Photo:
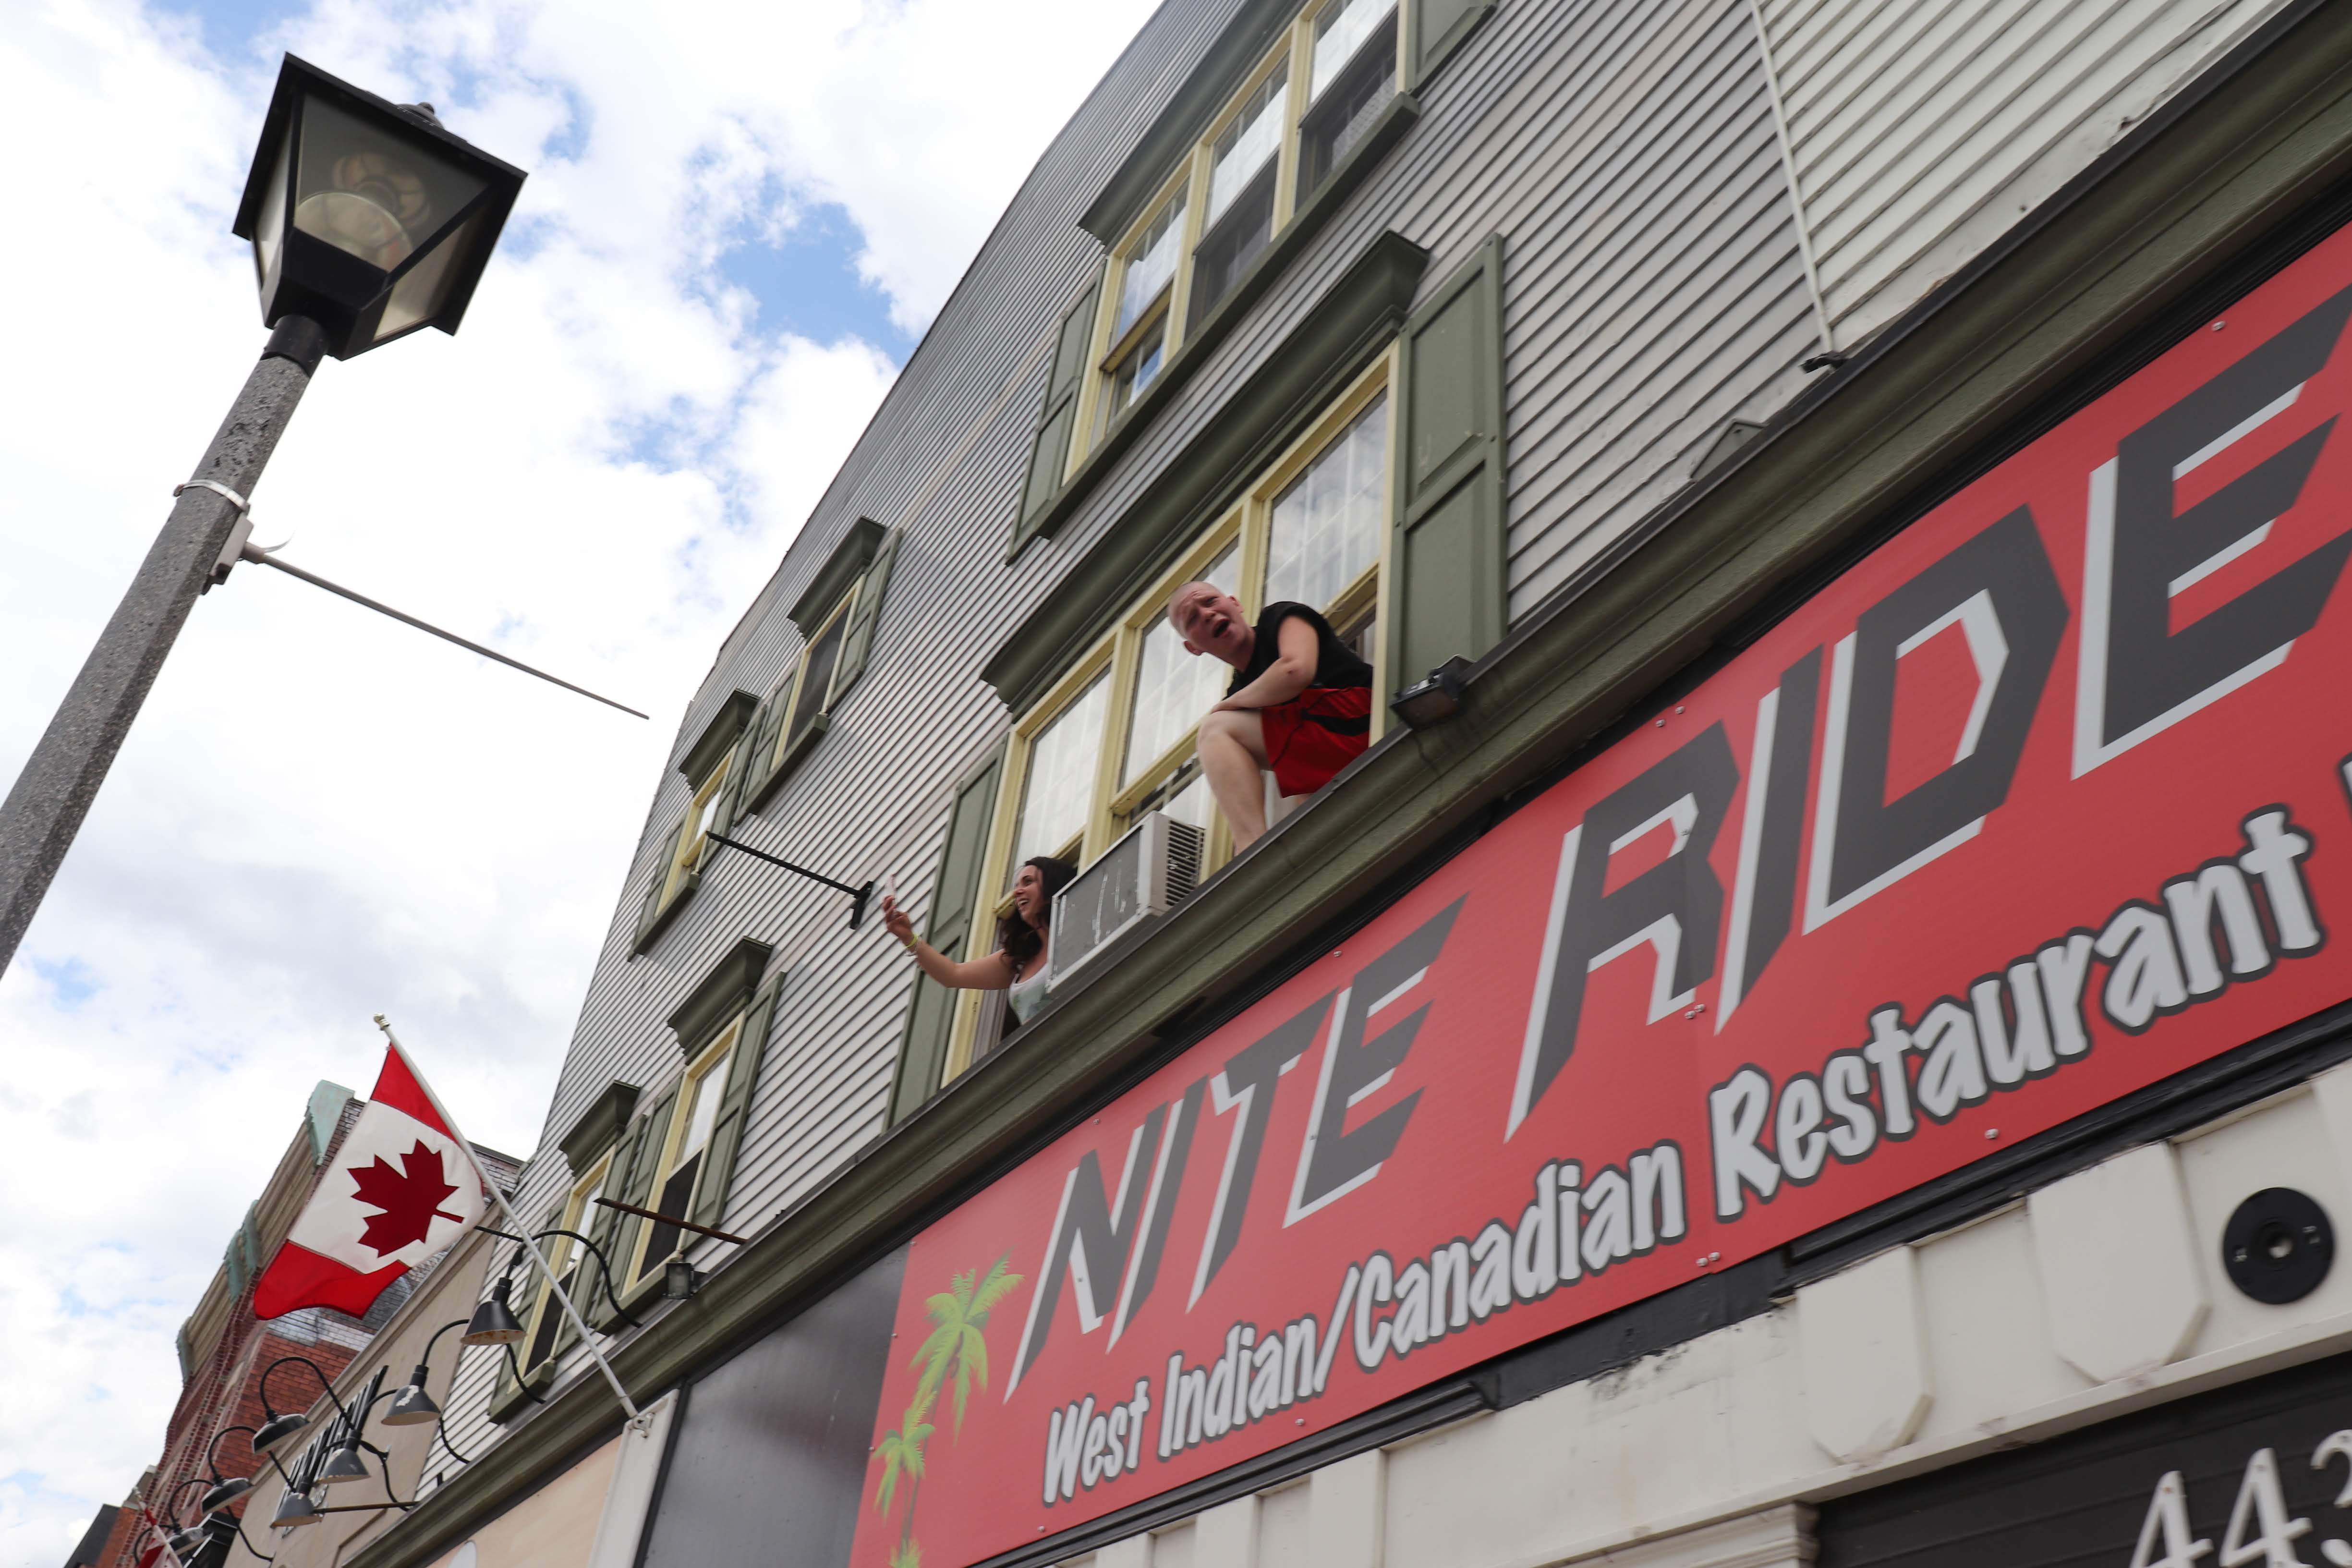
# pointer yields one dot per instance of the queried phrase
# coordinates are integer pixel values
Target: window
(811, 685)
(712, 770)
(1114, 738)
(564, 1259)
(1309, 102)
(692, 1118)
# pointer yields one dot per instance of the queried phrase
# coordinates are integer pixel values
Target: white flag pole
(579, 1324)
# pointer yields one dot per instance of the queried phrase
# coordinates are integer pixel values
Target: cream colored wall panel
(1920, 133)
(1135, 1552)
(1988, 1333)
(1284, 1527)
(1711, 1418)
(2283, 1144)
(1867, 1383)
(2119, 1272)
(1176, 1548)
(1227, 1535)
(1347, 1513)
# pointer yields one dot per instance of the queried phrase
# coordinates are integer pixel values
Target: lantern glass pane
(273, 213)
(364, 189)
(424, 288)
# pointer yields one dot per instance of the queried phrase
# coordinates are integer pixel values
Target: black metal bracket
(857, 896)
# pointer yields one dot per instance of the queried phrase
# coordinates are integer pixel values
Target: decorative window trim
(839, 573)
(723, 994)
(595, 1130)
(1354, 323)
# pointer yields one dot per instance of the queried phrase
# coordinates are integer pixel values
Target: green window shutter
(760, 747)
(639, 1152)
(735, 1108)
(1439, 27)
(1055, 421)
(930, 1017)
(858, 639)
(1446, 551)
(649, 916)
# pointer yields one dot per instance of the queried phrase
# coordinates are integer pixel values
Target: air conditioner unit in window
(1140, 878)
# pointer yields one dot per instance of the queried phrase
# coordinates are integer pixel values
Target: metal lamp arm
(603, 1271)
(325, 1383)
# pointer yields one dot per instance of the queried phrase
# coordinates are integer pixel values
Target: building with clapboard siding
(1749, 404)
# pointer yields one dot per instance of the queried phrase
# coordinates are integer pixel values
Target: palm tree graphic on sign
(955, 1355)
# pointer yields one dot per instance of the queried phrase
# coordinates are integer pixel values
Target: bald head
(1211, 621)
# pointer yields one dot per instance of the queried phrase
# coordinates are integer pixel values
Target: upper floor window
(713, 771)
(1281, 135)
(678, 1165)
(1115, 738)
(564, 1259)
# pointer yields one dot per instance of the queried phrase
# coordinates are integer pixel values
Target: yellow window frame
(1296, 50)
(575, 1217)
(1116, 655)
(688, 848)
(711, 1059)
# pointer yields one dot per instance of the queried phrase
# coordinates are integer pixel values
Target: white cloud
(321, 814)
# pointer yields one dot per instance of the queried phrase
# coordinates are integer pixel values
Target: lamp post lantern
(368, 221)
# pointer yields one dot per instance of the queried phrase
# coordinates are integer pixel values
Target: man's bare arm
(1291, 672)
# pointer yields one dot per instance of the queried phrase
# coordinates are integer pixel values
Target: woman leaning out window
(1018, 966)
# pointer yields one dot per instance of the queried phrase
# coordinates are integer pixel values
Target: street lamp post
(368, 222)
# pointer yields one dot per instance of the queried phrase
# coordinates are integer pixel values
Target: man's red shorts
(1315, 734)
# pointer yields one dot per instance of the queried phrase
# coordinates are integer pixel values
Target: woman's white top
(1025, 996)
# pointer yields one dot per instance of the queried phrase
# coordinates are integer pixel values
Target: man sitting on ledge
(1301, 702)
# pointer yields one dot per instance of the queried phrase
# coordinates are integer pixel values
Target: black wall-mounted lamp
(1436, 698)
(494, 1322)
(680, 1279)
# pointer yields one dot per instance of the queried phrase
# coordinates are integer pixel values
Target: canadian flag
(400, 1189)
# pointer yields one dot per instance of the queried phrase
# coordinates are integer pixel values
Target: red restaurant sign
(2044, 801)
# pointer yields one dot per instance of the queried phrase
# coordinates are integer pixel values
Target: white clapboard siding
(1920, 133)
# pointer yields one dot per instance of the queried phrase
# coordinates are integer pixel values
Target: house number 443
(2260, 1531)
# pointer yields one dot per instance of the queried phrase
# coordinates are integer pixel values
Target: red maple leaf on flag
(409, 1198)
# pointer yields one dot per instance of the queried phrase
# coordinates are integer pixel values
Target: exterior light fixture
(365, 215)
(185, 1543)
(278, 1431)
(493, 1323)
(1434, 699)
(680, 1279)
(296, 1509)
(343, 1465)
(226, 1493)
(412, 1406)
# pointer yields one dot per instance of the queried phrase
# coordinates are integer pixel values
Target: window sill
(1384, 134)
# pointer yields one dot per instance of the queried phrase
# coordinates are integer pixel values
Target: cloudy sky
(740, 217)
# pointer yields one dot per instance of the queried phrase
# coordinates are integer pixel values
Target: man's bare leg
(1233, 750)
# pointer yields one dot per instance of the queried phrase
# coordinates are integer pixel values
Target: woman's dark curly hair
(1022, 944)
